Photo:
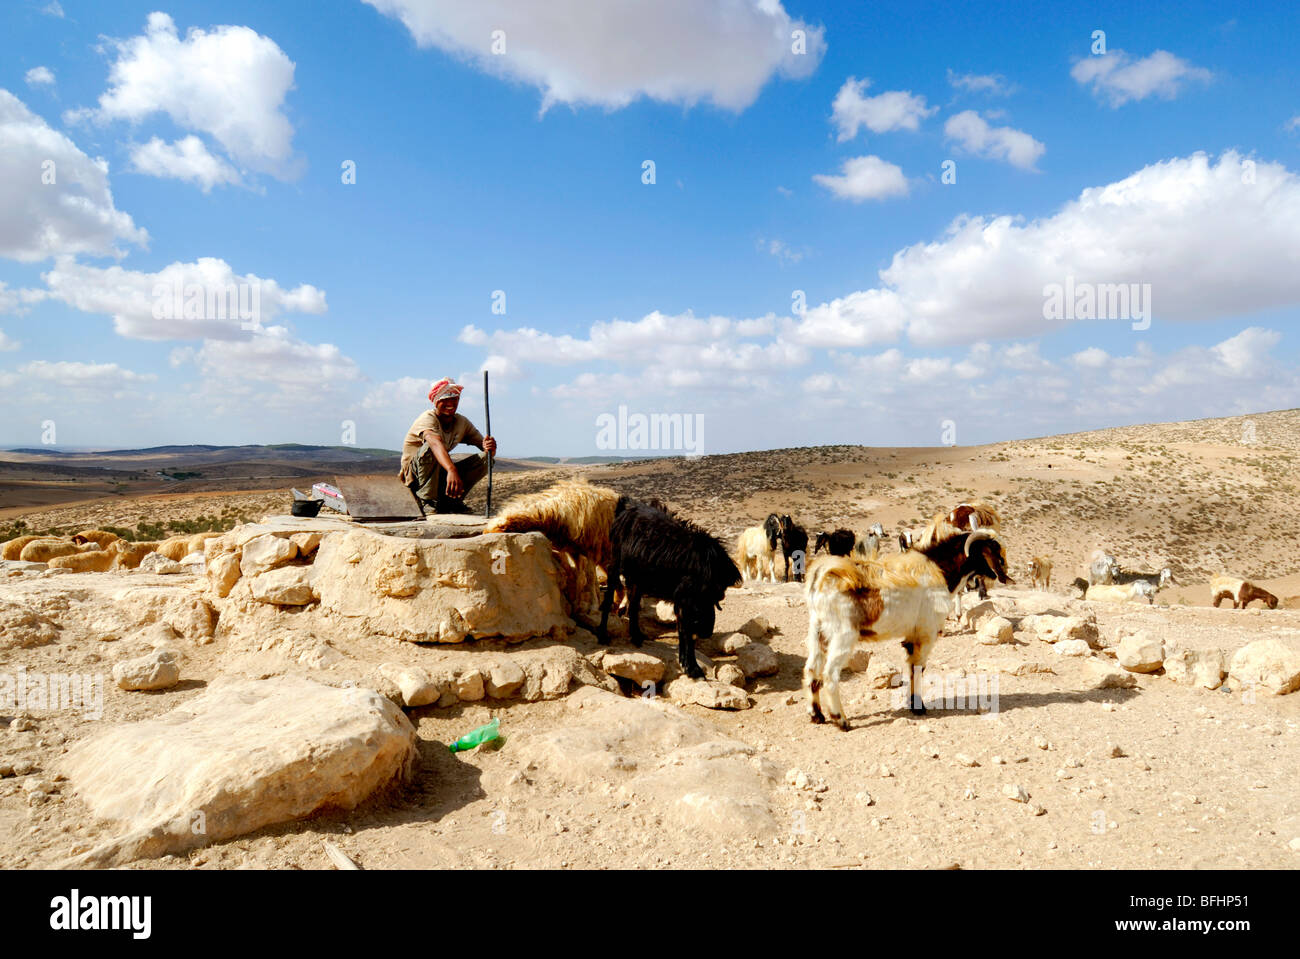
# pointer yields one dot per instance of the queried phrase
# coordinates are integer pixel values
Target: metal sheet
(378, 496)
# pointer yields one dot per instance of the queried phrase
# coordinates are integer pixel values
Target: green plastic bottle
(478, 737)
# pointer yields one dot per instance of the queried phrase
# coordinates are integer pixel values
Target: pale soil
(1208, 779)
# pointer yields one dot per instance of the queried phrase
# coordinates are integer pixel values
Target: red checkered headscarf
(444, 389)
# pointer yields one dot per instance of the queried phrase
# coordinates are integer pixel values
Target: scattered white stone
(756, 628)
(504, 679)
(1072, 647)
(733, 675)
(638, 667)
(1141, 653)
(156, 670)
(757, 659)
(1195, 667)
(995, 630)
(1268, 664)
(159, 564)
(961, 759)
(1042, 743)
(286, 586)
(866, 799)
(1015, 792)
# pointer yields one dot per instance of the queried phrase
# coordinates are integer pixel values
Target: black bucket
(305, 507)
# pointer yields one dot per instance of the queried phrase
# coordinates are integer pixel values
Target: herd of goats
(856, 592)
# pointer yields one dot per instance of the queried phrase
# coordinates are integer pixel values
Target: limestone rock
(757, 659)
(160, 564)
(413, 683)
(638, 667)
(859, 660)
(1140, 653)
(1100, 675)
(306, 542)
(1267, 663)
(223, 572)
(1015, 792)
(993, 629)
(1072, 647)
(266, 552)
(732, 643)
(1052, 629)
(756, 628)
(975, 617)
(504, 679)
(286, 586)
(22, 627)
(707, 693)
(156, 670)
(731, 674)
(1195, 667)
(442, 590)
(469, 686)
(242, 755)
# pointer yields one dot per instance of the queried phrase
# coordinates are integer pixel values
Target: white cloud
(781, 250)
(72, 214)
(1246, 353)
(273, 356)
(229, 82)
(1119, 78)
(105, 376)
(186, 159)
(1094, 357)
(39, 76)
(133, 298)
(674, 51)
(1294, 123)
(7, 343)
(892, 110)
(404, 393)
(991, 83)
(1210, 244)
(53, 9)
(865, 178)
(975, 135)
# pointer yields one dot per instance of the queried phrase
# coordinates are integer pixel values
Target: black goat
(667, 558)
(839, 543)
(772, 527)
(794, 544)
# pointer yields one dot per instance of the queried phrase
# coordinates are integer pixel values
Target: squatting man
(428, 469)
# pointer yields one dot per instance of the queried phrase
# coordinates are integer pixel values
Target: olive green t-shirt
(462, 431)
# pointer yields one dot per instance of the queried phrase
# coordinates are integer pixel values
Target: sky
(784, 223)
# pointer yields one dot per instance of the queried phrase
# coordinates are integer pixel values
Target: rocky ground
(1072, 760)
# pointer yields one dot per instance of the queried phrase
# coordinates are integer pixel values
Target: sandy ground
(1206, 779)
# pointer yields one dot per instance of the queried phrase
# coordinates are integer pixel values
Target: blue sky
(1168, 161)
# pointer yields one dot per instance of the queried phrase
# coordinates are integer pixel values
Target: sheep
(1101, 567)
(175, 548)
(754, 552)
(45, 549)
(1040, 571)
(667, 558)
(575, 516)
(1240, 592)
(838, 543)
(794, 544)
(91, 561)
(906, 597)
(129, 555)
(1159, 580)
(99, 537)
(13, 548)
(1127, 593)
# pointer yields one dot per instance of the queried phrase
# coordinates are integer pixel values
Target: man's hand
(490, 445)
(454, 488)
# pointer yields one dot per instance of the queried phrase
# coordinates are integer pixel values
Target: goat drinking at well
(667, 558)
(905, 597)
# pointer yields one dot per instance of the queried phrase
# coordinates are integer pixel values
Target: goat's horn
(977, 534)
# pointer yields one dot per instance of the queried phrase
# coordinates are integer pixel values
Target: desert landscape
(1066, 733)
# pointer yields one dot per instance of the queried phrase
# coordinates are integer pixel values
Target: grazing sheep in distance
(130, 555)
(794, 544)
(753, 553)
(13, 548)
(45, 549)
(905, 597)
(575, 516)
(1159, 580)
(1040, 570)
(175, 548)
(1126, 593)
(1240, 592)
(91, 561)
(838, 543)
(1101, 567)
(99, 537)
(667, 558)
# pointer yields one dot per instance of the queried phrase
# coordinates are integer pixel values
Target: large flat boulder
(242, 755)
(501, 585)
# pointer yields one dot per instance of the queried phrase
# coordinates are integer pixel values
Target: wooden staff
(487, 415)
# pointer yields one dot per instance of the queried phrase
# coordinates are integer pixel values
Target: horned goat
(905, 597)
(1240, 591)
